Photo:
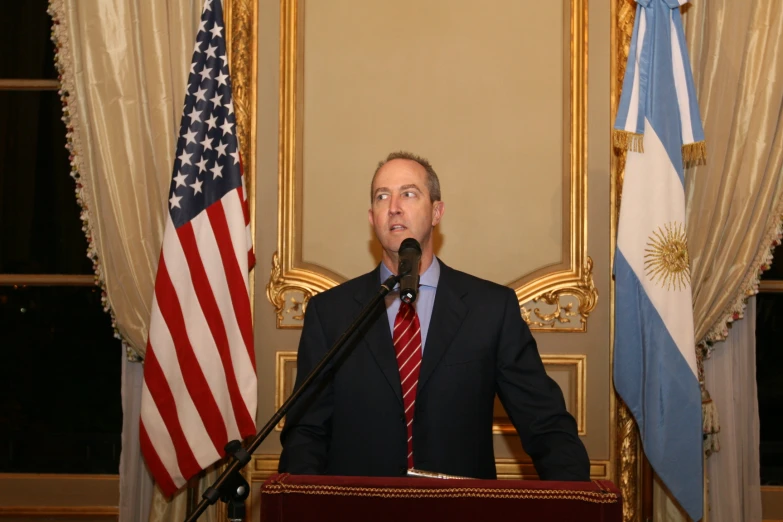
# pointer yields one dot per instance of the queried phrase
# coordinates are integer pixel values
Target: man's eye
(380, 197)
(409, 194)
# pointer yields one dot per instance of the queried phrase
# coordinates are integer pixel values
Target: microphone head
(408, 295)
(410, 255)
(410, 244)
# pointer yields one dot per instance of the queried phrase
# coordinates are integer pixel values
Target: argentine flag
(655, 369)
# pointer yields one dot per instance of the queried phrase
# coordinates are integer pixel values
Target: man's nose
(394, 206)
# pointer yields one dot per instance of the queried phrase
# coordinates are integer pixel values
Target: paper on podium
(413, 472)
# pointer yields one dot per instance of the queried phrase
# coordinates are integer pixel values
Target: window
(60, 409)
(769, 367)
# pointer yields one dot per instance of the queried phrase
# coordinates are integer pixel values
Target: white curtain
(733, 473)
(136, 484)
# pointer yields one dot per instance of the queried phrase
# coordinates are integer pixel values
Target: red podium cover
(289, 498)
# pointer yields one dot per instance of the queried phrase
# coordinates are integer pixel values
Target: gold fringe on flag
(694, 153)
(625, 140)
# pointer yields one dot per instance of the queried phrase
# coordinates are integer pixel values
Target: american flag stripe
(243, 196)
(201, 385)
(190, 283)
(207, 389)
(235, 303)
(212, 313)
(234, 280)
(172, 382)
(161, 456)
(251, 257)
(239, 235)
(156, 466)
(166, 409)
(220, 293)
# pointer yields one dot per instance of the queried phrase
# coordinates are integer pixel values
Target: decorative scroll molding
(288, 296)
(564, 309)
(552, 299)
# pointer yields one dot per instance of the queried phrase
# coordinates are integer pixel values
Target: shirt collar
(429, 278)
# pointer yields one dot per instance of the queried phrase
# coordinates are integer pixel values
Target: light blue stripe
(667, 404)
(698, 131)
(625, 96)
(662, 109)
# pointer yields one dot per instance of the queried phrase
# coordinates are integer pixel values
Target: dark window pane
(769, 367)
(60, 409)
(775, 272)
(40, 227)
(28, 51)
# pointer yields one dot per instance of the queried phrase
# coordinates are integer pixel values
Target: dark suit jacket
(477, 346)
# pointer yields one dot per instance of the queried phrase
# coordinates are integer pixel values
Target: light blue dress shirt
(428, 285)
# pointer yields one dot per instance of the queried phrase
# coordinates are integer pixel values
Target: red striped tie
(407, 345)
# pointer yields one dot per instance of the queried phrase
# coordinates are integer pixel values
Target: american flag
(199, 369)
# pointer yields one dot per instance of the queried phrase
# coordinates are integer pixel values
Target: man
(418, 386)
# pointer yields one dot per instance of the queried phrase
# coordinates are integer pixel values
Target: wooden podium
(289, 498)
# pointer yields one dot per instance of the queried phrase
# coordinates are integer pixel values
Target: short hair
(433, 183)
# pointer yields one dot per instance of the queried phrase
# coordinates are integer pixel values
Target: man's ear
(370, 218)
(438, 208)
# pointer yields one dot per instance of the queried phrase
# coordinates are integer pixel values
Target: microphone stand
(231, 487)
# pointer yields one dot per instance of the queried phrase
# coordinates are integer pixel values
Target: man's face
(401, 206)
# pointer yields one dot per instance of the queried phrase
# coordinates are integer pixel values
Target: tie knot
(404, 307)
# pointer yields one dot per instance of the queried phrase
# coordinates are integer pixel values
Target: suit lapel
(378, 335)
(448, 314)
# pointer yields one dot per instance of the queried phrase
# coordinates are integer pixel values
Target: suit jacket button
(403, 471)
(402, 417)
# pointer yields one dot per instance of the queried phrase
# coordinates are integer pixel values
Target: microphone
(408, 269)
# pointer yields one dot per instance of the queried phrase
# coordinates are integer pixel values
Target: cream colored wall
(457, 83)
(353, 116)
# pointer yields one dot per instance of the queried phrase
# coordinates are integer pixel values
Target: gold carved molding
(556, 299)
(285, 375)
(566, 308)
(627, 449)
(629, 464)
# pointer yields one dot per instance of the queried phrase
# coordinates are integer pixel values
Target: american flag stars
(207, 165)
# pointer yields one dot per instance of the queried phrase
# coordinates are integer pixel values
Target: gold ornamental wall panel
(495, 98)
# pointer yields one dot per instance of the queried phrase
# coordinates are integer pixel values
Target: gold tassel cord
(710, 423)
(625, 140)
(694, 153)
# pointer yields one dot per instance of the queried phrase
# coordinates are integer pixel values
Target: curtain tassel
(710, 423)
(694, 153)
